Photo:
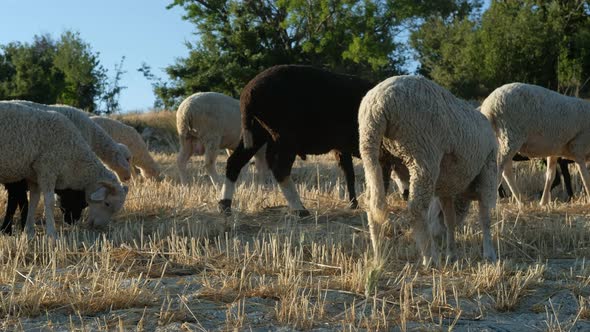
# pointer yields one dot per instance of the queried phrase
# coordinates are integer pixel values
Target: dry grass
(171, 260)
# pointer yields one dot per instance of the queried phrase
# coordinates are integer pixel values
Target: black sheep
(72, 202)
(297, 110)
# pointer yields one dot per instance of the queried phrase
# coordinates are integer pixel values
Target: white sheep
(114, 155)
(448, 147)
(49, 152)
(207, 122)
(537, 122)
(129, 137)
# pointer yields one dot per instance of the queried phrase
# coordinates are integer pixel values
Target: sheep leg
(11, 206)
(34, 197)
(386, 168)
(487, 201)
(262, 168)
(23, 203)
(184, 155)
(422, 182)
(401, 176)
(448, 208)
(49, 200)
(549, 176)
(238, 159)
(563, 165)
(281, 170)
(506, 152)
(584, 174)
(211, 149)
(345, 162)
(485, 220)
(508, 175)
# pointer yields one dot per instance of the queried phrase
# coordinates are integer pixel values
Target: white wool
(212, 120)
(100, 142)
(49, 152)
(537, 122)
(127, 135)
(448, 147)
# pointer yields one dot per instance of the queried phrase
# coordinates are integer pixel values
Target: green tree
(65, 71)
(539, 42)
(31, 74)
(82, 73)
(238, 39)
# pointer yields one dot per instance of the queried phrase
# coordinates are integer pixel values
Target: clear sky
(140, 30)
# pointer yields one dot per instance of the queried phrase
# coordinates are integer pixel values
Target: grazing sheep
(129, 137)
(537, 122)
(115, 155)
(207, 122)
(448, 147)
(297, 110)
(112, 154)
(50, 153)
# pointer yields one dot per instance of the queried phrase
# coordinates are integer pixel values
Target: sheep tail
(372, 125)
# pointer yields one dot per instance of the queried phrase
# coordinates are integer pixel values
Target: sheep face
(104, 202)
(123, 160)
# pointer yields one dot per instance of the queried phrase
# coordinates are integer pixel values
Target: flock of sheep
(442, 151)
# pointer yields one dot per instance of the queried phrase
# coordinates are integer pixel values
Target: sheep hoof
(406, 194)
(302, 213)
(354, 204)
(224, 207)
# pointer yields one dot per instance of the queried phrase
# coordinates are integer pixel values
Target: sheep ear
(108, 185)
(99, 195)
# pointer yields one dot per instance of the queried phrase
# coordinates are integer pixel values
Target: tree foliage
(48, 71)
(239, 38)
(533, 41)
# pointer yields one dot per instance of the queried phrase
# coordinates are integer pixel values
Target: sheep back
(308, 109)
(544, 120)
(207, 115)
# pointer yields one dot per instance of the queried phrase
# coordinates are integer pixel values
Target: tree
(112, 90)
(64, 71)
(32, 75)
(237, 39)
(82, 73)
(533, 41)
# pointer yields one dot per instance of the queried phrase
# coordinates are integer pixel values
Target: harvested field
(170, 262)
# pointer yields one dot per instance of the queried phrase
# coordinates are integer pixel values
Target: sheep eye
(107, 204)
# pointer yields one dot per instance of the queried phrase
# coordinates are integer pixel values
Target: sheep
(50, 153)
(129, 137)
(538, 122)
(207, 122)
(448, 147)
(71, 203)
(114, 155)
(297, 110)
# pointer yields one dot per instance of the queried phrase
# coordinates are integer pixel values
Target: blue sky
(140, 30)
